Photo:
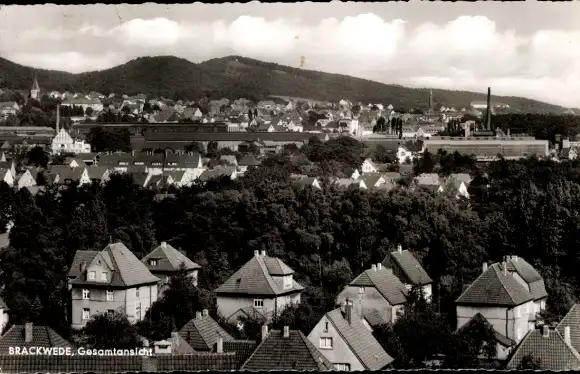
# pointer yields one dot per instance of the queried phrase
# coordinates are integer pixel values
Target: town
(223, 235)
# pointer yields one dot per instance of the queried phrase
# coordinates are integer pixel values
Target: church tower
(35, 90)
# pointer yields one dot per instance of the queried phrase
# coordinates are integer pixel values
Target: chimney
(374, 267)
(484, 267)
(163, 244)
(197, 315)
(379, 266)
(348, 311)
(567, 335)
(504, 266)
(400, 248)
(133, 153)
(546, 331)
(28, 332)
(83, 267)
(57, 117)
(515, 258)
(264, 332)
(508, 132)
(174, 341)
(220, 345)
(286, 331)
(488, 114)
(205, 313)
(256, 253)
(263, 253)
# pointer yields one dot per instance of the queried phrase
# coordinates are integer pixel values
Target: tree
(111, 330)
(38, 157)
(89, 111)
(195, 147)
(529, 362)
(381, 125)
(102, 140)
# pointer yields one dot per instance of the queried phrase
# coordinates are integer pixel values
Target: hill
(236, 76)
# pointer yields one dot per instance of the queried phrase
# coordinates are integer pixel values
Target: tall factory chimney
(488, 113)
(57, 117)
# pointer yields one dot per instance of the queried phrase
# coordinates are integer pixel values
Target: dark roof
(494, 288)
(572, 320)
(373, 317)
(295, 352)
(529, 275)
(187, 136)
(255, 278)
(42, 336)
(552, 350)
(242, 348)
(126, 268)
(203, 333)
(221, 171)
(79, 259)
(249, 160)
(502, 339)
(388, 285)
(411, 267)
(96, 172)
(168, 259)
(370, 179)
(360, 340)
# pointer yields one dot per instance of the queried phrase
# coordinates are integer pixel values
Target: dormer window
(153, 262)
(92, 275)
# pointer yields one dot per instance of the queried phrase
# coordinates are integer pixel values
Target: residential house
(4, 317)
(552, 350)
(157, 181)
(26, 179)
(454, 185)
(266, 127)
(409, 270)
(346, 182)
(376, 289)
(9, 108)
(355, 174)
(10, 165)
(99, 174)
(75, 162)
(174, 345)
(218, 172)
(179, 178)
(229, 159)
(430, 181)
(308, 181)
(264, 283)
(408, 152)
(501, 299)
(165, 261)
(84, 102)
(7, 176)
(266, 105)
(28, 336)
(286, 350)
(503, 344)
(63, 142)
(368, 166)
(203, 332)
(343, 339)
(372, 180)
(530, 279)
(247, 161)
(108, 280)
(68, 175)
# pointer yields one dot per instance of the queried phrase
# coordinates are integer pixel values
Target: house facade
(368, 166)
(63, 142)
(264, 283)
(108, 280)
(409, 271)
(26, 180)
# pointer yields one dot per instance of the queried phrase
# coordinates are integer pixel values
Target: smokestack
(400, 248)
(567, 335)
(504, 265)
(379, 266)
(348, 311)
(286, 331)
(220, 345)
(197, 315)
(28, 332)
(264, 332)
(374, 267)
(205, 313)
(488, 114)
(484, 267)
(546, 331)
(256, 253)
(57, 117)
(263, 253)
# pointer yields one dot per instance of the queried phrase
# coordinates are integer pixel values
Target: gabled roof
(383, 279)
(42, 336)
(463, 177)
(203, 332)
(410, 266)
(255, 278)
(370, 180)
(360, 340)
(529, 275)
(494, 288)
(168, 259)
(428, 179)
(572, 320)
(306, 181)
(249, 160)
(242, 348)
(294, 352)
(373, 317)
(80, 258)
(502, 339)
(552, 350)
(217, 172)
(127, 270)
(96, 172)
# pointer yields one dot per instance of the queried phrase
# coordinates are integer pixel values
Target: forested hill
(235, 77)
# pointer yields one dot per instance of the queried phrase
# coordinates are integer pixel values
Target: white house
(63, 142)
(368, 166)
(6, 176)
(26, 180)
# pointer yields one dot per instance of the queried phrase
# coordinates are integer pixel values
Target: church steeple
(35, 90)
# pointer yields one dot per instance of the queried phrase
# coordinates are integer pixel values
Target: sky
(529, 49)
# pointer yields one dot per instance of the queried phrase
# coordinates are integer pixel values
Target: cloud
(470, 52)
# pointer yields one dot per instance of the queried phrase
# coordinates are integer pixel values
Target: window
(258, 303)
(153, 262)
(86, 294)
(86, 313)
(92, 275)
(104, 276)
(342, 367)
(361, 290)
(138, 311)
(325, 326)
(326, 343)
(542, 305)
(109, 295)
(136, 292)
